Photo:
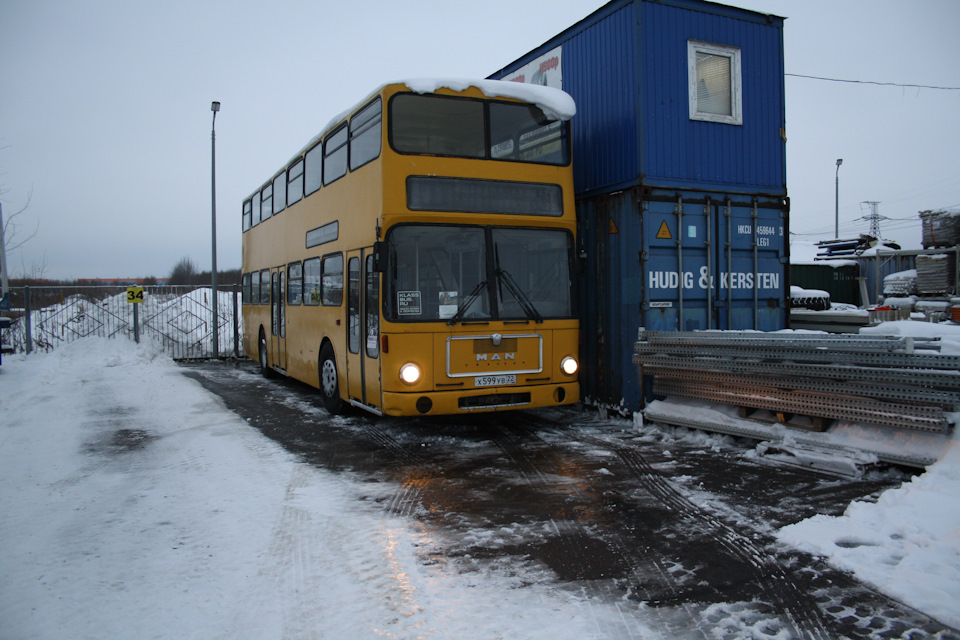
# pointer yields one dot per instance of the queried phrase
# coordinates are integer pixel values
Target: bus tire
(330, 381)
(265, 369)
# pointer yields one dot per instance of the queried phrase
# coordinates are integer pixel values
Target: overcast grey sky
(105, 109)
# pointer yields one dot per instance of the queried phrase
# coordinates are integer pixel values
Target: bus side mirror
(381, 251)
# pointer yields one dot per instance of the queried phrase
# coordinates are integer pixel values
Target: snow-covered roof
(555, 103)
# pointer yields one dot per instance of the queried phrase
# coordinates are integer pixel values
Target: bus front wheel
(329, 382)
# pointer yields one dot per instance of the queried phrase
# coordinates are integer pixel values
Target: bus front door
(363, 330)
(278, 319)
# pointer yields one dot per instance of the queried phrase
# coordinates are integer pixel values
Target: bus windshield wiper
(458, 316)
(525, 303)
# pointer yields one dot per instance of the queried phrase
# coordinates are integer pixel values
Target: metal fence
(179, 318)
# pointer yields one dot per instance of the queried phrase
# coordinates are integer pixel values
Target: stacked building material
(902, 283)
(936, 273)
(941, 228)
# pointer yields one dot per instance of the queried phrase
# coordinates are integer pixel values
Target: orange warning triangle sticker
(613, 227)
(664, 232)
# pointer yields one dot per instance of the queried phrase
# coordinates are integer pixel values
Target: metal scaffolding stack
(894, 382)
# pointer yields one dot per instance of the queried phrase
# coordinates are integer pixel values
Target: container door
(675, 263)
(750, 284)
(278, 319)
(363, 329)
(712, 261)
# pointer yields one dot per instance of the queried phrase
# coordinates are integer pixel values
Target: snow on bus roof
(555, 103)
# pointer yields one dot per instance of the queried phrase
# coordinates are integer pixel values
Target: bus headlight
(569, 365)
(410, 373)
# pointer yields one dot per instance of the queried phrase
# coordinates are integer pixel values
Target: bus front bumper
(480, 400)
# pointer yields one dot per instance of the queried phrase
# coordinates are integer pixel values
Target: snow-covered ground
(135, 504)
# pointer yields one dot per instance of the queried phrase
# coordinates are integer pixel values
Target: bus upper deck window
(436, 125)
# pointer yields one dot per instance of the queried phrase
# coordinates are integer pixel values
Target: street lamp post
(214, 107)
(836, 203)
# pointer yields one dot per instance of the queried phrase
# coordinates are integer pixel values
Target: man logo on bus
(483, 357)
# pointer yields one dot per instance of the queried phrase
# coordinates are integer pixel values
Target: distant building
(121, 282)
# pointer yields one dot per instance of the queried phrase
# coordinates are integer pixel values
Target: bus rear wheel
(265, 369)
(329, 381)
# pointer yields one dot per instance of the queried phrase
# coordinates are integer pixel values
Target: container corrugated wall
(674, 260)
(681, 151)
(600, 70)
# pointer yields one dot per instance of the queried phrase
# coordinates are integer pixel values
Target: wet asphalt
(683, 527)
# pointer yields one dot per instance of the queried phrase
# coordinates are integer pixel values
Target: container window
(715, 88)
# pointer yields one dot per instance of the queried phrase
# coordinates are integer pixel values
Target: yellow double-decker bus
(417, 256)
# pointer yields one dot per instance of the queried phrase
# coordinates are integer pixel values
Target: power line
(882, 84)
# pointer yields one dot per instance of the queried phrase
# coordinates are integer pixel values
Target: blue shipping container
(679, 152)
(671, 260)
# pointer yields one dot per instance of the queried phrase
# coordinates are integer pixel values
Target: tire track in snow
(638, 562)
(802, 615)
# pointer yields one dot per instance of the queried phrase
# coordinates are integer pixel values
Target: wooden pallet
(792, 420)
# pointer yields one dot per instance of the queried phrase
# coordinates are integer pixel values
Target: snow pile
(135, 505)
(907, 544)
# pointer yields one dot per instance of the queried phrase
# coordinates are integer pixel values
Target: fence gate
(179, 318)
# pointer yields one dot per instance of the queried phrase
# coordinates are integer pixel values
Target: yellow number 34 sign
(134, 294)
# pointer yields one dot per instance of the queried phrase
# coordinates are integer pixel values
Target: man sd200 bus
(417, 256)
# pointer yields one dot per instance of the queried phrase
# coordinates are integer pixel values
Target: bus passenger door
(363, 329)
(278, 319)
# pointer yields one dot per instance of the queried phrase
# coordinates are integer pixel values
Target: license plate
(494, 381)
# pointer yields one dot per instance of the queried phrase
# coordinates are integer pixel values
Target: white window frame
(736, 96)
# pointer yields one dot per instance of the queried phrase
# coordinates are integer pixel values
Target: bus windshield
(459, 273)
(465, 128)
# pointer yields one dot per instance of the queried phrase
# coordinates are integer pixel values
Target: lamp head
(215, 106)
(839, 160)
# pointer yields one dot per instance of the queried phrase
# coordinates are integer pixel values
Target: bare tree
(12, 235)
(9, 242)
(184, 272)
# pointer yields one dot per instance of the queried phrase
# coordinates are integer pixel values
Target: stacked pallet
(941, 228)
(936, 273)
(900, 284)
